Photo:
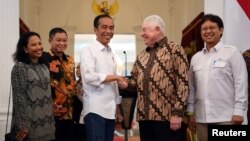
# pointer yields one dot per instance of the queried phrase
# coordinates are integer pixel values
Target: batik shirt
(246, 56)
(160, 75)
(63, 84)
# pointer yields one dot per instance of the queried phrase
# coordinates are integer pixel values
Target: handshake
(122, 82)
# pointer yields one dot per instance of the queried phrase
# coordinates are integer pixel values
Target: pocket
(219, 64)
(218, 69)
(197, 72)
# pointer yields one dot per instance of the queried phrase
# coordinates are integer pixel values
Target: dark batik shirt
(160, 75)
(62, 75)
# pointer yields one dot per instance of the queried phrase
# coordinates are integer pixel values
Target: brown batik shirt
(160, 75)
(246, 56)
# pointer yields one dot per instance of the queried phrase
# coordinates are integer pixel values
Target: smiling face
(211, 33)
(34, 48)
(104, 30)
(58, 42)
(149, 33)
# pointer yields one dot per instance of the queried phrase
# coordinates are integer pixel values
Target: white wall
(76, 16)
(9, 27)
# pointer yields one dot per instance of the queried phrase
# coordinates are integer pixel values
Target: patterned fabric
(78, 103)
(160, 75)
(80, 89)
(32, 102)
(246, 56)
(63, 83)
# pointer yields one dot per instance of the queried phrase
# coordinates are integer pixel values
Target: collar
(160, 43)
(101, 47)
(216, 48)
(52, 53)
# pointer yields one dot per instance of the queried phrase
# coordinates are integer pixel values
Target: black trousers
(64, 130)
(80, 132)
(160, 131)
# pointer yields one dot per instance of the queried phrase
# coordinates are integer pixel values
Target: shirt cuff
(118, 99)
(178, 112)
(102, 77)
(239, 112)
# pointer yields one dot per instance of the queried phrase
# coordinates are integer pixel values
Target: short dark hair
(213, 18)
(97, 18)
(55, 30)
(20, 55)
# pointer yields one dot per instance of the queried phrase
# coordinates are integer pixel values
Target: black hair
(20, 55)
(213, 18)
(97, 18)
(55, 30)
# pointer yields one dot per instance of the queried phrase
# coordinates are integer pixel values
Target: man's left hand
(237, 120)
(175, 122)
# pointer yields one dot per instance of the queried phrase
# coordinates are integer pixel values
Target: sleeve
(90, 76)
(181, 81)
(72, 77)
(246, 56)
(132, 85)
(191, 98)
(20, 97)
(240, 76)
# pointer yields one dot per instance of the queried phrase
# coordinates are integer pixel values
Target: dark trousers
(64, 130)
(160, 131)
(80, 132)
(99, 128)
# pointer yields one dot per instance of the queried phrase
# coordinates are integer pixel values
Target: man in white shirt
(100, 83)
(218, 81)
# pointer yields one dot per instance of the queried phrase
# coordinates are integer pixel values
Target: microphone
(126, 62)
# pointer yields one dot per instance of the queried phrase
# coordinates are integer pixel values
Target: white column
(9, 27)
(71, 31)
(139, 41)
(214, 7)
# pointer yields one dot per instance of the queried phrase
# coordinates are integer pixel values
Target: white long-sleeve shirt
(97, 62)
(218, 84)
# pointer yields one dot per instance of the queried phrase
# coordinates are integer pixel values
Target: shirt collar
(157, 44)
(52, 53)
(101, 47)
(216, 48)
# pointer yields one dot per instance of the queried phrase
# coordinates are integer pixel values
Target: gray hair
(156, 20)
